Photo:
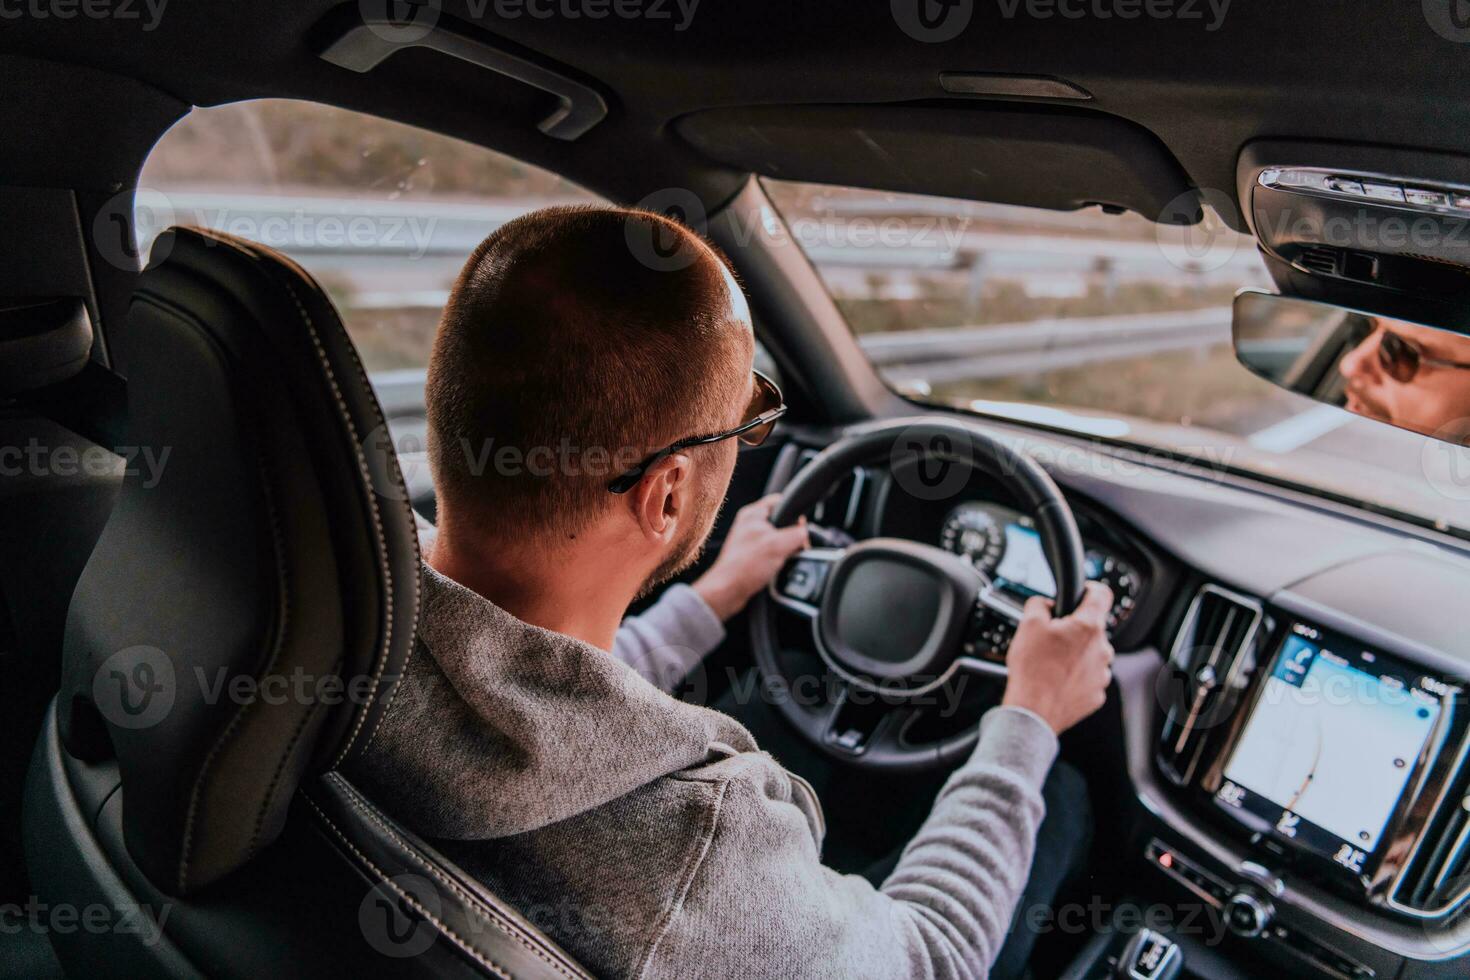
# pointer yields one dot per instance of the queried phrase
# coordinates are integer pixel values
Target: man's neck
(552, 588)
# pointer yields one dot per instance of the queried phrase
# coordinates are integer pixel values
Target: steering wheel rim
(900, 444)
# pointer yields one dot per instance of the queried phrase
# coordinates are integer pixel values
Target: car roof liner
(1062, 158)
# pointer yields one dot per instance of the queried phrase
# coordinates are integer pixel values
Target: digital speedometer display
(1023, 568)
(1005, 545)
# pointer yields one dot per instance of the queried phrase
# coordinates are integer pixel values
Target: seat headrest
(253, 597)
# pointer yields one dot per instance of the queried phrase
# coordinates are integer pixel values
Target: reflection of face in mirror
(1407, 375)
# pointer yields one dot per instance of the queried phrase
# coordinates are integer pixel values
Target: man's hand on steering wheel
(1060, 668)
(899, 619)
(752, 554)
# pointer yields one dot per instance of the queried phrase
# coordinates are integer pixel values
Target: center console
(1305, 769)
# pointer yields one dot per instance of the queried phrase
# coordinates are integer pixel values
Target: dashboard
(982, 523)
(1294, 684)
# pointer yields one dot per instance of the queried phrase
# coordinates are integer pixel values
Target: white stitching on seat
(506, 924)
(372, 500)
(282, 578)
(402, 488)
(383, 563)
(369, 492)
(454, 937)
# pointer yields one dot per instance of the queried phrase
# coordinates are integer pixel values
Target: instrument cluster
(1004, 545)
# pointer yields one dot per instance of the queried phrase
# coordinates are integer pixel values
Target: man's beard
(687, 550)
(1360, 402)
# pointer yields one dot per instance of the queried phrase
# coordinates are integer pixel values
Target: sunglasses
(766, 406)
(1401, 358)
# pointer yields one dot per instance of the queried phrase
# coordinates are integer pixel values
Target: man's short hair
(566, 352)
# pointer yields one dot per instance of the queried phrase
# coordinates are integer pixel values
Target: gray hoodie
(652, 838)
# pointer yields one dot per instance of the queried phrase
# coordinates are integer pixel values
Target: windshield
(1106, 325)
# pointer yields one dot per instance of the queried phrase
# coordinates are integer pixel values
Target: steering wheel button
(804, 580)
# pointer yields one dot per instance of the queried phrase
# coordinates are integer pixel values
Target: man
(1412, 376)
(675, 634)
(651, 837)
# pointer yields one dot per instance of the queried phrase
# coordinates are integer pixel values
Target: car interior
(1172, 296)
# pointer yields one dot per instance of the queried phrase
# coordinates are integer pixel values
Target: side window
(382, 214)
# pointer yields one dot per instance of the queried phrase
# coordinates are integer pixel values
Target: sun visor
(1050, 157)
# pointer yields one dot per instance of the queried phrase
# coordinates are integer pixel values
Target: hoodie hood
(498, 727)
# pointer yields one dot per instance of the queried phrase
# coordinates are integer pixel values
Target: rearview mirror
(1409, 375)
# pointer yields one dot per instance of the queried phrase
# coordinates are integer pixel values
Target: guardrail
(962, 353)
(416, 228)
(372, 243)
(998, 350)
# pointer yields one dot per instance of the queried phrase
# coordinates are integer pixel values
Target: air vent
(1212, 660)
(842, 505)
(1319, 259)
(1436, 878)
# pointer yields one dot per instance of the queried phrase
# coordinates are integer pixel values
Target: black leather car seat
(59, 477)
(232, 641)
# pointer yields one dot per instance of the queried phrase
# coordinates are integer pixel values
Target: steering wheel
(895, 620)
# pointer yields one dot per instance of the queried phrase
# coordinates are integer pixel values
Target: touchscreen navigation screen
(1330, 745)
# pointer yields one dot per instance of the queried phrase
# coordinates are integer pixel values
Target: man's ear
(662, 497)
